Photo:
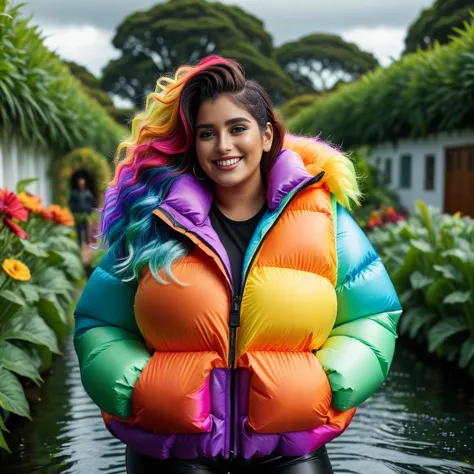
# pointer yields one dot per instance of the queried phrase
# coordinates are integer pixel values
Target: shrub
(431, 261)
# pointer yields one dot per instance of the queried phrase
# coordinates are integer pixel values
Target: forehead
(220, 110)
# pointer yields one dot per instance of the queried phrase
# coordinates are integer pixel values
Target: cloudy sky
(81, 30)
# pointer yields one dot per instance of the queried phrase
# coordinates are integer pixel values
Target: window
(430, 161)
(405, 172)
(388, 171)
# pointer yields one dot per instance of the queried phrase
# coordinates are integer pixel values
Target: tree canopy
(436, 23)
(318, 61)
(157, 41)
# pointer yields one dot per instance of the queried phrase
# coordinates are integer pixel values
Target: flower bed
(430, 258)
(40, 271)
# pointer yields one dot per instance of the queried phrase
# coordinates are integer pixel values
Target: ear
(268, 137)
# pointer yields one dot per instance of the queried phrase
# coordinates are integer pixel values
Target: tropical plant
(430, 258)
(423, 93)
(40, 270)
(40, 100)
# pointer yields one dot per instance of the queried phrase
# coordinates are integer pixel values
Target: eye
(239, 129)
(206, 134)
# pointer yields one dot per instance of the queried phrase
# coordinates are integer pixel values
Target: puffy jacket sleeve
(111, 351)
(359, 351)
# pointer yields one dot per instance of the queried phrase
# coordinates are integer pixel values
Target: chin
(227, 181)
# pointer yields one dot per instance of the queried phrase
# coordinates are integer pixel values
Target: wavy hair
(159, 150)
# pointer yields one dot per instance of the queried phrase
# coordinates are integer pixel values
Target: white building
(438, 170)
(17, 163)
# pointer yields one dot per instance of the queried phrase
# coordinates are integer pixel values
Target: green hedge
(423, 93)
(40, 100)
(430, 259)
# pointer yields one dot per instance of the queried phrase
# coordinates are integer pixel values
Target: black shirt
(235, 236)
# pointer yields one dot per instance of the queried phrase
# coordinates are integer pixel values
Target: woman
(239, 315)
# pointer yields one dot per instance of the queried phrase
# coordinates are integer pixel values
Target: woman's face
(229, 144)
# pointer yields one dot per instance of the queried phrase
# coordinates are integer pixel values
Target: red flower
(12, 208)
(374, 223)
(15, 228)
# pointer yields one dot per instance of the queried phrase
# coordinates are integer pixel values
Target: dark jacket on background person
(81, 201)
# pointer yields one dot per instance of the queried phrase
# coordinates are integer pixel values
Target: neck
(244, 201)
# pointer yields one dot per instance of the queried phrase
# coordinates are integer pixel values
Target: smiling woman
(248, 315)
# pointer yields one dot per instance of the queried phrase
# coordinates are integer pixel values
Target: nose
(224, 144)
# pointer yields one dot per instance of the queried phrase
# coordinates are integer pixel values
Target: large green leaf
(54, 315)
(62, 243)
(18, 361)
(419, 281)
(467, 352)
(436, 293)
(458, 297)
(73, 265)
(54, 257)
(2, 425)
(456, 253)
(53, 279)
(28, 326)
(24, 183)
(422, 246)
(3, 443)
(30, 293)
(426, 216)
(12, 397)
(449, 271)
(33, 249)
(10, 305)
(444, 330)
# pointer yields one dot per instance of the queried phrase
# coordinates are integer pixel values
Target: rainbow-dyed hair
(159, 150)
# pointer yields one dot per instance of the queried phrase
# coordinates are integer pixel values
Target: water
(419, 422)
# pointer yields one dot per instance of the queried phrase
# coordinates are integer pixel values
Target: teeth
(228, 162)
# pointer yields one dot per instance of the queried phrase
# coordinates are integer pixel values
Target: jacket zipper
(236, 300)
(234, 321)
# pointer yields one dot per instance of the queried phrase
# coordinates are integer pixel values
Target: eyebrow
(228, 122)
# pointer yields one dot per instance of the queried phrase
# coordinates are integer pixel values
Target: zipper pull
(235, 312)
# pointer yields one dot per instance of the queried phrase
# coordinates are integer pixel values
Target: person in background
(81, 204)
(239, 315)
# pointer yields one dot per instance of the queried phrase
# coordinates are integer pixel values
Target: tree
(318, 61)
(157, 41)
(436, 23)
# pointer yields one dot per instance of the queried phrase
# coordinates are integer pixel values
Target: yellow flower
(32, 203)
(16, 269)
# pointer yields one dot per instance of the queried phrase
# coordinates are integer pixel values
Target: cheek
(251, 144)
(202, 151)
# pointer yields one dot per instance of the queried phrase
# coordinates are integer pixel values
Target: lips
(230, 161)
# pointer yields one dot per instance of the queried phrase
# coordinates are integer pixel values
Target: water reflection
(418, 423)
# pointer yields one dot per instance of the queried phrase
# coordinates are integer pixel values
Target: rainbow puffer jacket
(193, 371)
